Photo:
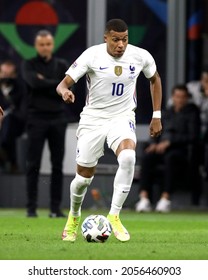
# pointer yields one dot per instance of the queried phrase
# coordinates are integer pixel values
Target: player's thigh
(90, 147)
(121, 129)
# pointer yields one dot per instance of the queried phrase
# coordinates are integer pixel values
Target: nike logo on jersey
(103, 68)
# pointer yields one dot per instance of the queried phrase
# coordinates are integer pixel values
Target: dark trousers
(38, 132)
(168, 169)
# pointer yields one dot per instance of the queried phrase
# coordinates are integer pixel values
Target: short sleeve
(149, 65)
(80, 66)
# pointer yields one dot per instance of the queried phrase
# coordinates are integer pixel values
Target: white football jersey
(111, 81)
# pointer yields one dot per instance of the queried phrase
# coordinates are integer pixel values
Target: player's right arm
(64, 91)
(77, 70)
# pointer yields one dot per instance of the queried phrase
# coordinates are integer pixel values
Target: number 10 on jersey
(117, 89)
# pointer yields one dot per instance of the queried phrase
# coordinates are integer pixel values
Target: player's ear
(105, 38)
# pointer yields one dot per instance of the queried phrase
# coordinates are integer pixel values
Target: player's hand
(155, 127)
(68, 96)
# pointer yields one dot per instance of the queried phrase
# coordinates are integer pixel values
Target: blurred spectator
(1, 115)
(12, 100)
(175, 150)
(46, 121)
(199, 92)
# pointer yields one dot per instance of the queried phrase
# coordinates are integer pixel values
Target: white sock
(123, 180)
(78, 189)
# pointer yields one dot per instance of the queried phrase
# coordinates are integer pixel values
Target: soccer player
(111, 72)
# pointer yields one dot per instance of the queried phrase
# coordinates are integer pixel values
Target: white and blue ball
(96, 228)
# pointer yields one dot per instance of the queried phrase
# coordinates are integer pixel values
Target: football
(96, 228)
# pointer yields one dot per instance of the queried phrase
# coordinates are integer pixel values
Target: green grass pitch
(172, 236)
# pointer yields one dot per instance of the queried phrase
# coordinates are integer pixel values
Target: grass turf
(172, 236)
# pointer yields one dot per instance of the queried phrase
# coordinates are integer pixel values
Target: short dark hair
(117, 25)
(181, 87)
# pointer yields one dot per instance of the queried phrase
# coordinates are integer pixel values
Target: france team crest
(118, 70)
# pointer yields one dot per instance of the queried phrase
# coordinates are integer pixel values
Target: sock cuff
(127, 158)
(83, 180)
(127, 153)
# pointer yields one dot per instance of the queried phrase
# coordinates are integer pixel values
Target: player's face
(44, 46)
(116, 42)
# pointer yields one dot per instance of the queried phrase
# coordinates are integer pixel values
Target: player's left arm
(156, 95)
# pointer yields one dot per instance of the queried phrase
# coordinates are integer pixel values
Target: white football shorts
(91, 137)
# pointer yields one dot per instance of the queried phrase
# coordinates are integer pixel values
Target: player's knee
(127, 158)
(79, 184)
(82, 181)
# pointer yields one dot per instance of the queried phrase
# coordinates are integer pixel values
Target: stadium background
(175, 32)
(78, 24)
